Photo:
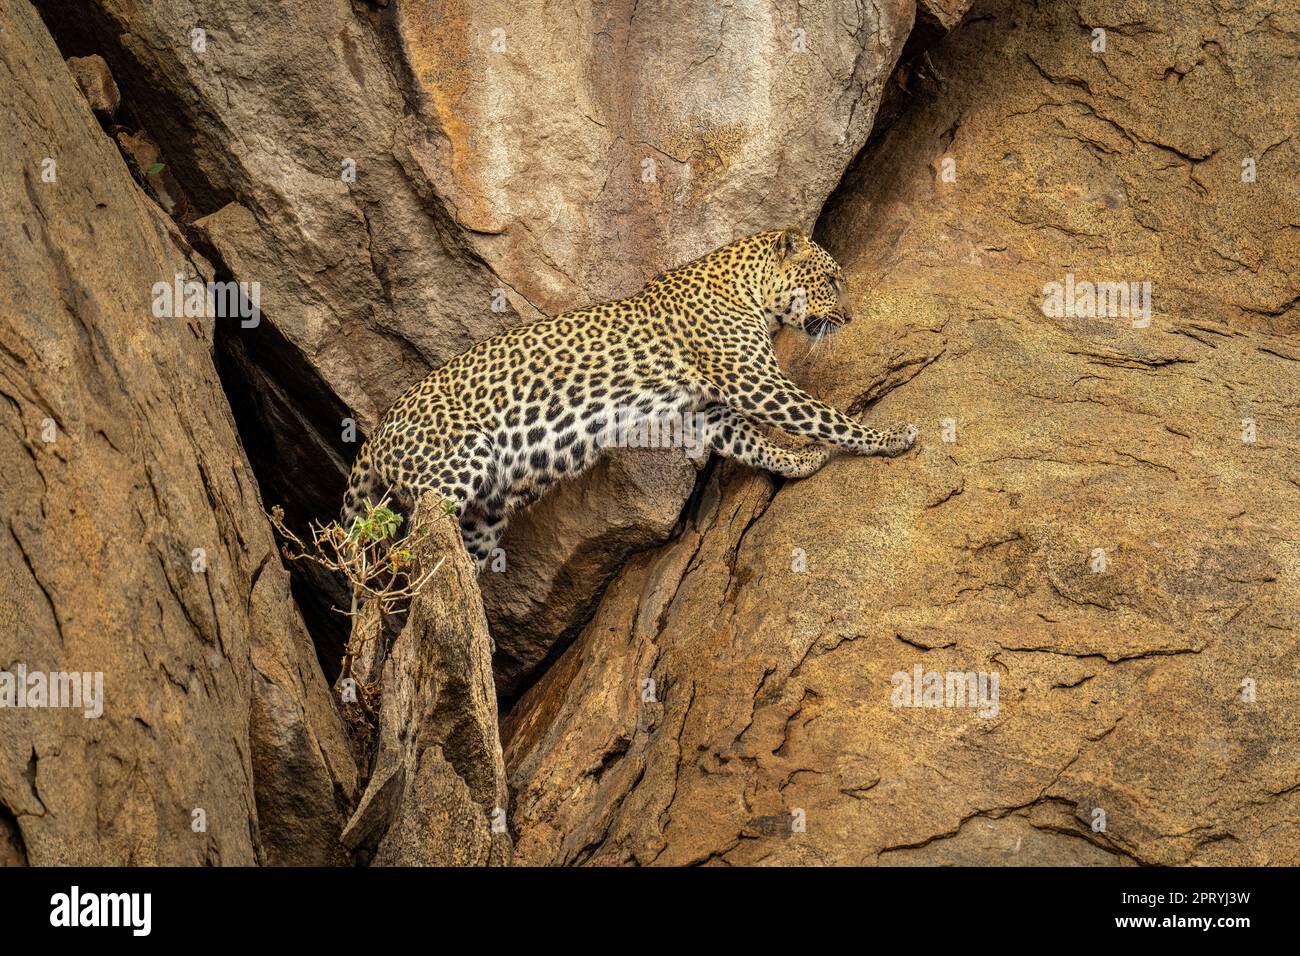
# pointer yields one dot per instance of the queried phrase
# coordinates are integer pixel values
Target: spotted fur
(495, 426)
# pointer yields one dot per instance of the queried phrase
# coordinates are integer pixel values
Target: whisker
(818, 338)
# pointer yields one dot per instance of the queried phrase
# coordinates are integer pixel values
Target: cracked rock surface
(134, 544)
(1101, 533)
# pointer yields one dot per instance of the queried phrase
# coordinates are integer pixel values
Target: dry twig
(368, 556)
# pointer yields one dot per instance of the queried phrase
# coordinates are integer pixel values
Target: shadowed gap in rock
(290, 424)
(13, 851)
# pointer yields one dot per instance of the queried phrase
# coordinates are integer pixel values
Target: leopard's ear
(791, 245)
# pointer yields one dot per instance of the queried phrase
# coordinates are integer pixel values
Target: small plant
(368, 555)
(377, 524)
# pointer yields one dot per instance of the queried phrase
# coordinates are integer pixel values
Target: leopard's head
(806, 287)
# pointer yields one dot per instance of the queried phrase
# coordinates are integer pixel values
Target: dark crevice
(914, 77)
(13, 849)
(82, 29)
(291, 426)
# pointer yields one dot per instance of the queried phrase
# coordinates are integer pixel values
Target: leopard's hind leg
(364, 485)
(460, 472)
(481, 531)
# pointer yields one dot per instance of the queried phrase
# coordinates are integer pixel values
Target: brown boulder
(96, 81)
(944, 13)
(545, 589)
(437, 793)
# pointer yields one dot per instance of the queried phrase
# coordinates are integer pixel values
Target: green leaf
(154, 169)
(377, 524)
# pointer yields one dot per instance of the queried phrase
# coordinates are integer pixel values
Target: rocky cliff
(1101, 520)
(134, 545)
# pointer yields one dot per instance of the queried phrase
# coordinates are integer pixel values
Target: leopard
(495, 427)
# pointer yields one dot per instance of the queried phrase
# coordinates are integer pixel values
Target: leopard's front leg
(733, 436)
(763, 393)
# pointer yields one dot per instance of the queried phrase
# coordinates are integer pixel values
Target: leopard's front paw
(898, 439)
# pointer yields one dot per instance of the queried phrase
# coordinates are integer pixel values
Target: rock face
(629, 501)
(134, 546)
(1103, 514)
(406, 179)
(1060, 631)
(945, 14)
(437, 793)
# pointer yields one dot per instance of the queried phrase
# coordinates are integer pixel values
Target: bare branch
(377, 566)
